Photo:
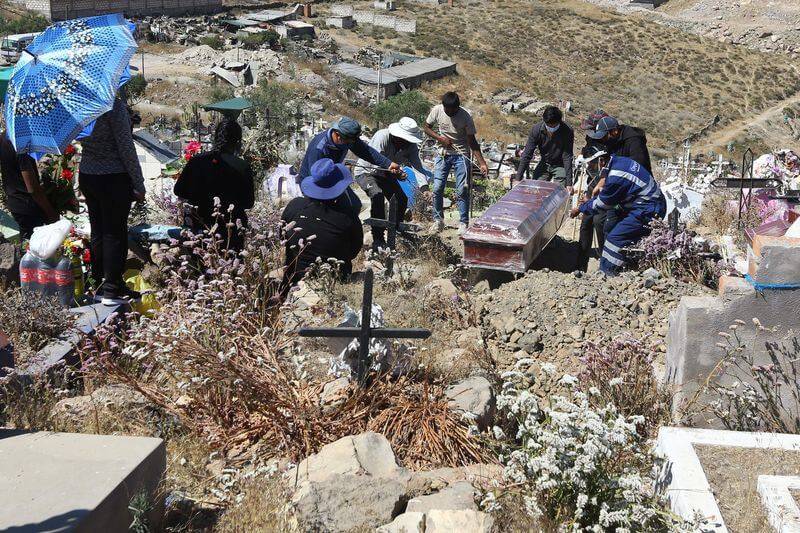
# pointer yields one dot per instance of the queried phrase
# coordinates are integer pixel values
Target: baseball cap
(604, 125)
(348, 127)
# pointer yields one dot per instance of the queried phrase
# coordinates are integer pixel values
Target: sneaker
(379, 244)
(462, 227)
(437, 226)
(123, 296)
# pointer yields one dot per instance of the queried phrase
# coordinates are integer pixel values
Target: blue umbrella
(65, 80)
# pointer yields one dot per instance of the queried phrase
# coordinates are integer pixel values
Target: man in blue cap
(622, 140)
(343, 136)
(628, 185)
(318, 226)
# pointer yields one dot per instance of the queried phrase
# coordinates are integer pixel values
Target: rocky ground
(766, 25)
(547, 316)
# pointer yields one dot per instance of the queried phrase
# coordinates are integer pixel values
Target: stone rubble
(356, 483)
(547, 316)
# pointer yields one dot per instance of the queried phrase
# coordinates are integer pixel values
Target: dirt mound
(547, 316)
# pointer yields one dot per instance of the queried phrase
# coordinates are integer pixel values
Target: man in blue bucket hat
(318, 225)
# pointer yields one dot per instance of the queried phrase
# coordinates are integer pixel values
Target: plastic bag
(46, 240)
(148, 305)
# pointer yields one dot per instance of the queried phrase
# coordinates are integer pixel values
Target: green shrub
(273, 99)
(408, 104)
(257, 40)
(28, 23)
(219, 92)
(214, 41)
(135, 88)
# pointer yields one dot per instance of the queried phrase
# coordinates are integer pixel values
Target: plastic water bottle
(64, 281)
(28, 273)
(46, 276)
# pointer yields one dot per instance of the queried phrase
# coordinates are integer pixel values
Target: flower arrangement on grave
(174, 169)
(58, 177)
(76, 248)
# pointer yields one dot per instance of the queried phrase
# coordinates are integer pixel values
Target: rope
(760, 287)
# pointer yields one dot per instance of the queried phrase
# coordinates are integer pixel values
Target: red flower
(87, 256)
(187, 156)
(70, 150)
(67, 174)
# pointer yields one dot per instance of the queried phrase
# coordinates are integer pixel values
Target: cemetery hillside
(400, 266)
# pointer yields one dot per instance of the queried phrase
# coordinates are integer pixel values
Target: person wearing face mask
(344, 136)
(628, 185)
(554, 139)
(622, 140)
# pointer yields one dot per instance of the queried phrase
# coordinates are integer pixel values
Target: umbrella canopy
(66, 79)
(231, 108)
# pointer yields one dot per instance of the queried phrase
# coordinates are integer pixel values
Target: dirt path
(761, 122)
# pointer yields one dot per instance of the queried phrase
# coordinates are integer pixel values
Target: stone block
(368, 453)
(775, 260)
(405, 523)
(458, 497)
(343, 502)
(692, 350)
(458, 521)
(474, 395)
(75, 482)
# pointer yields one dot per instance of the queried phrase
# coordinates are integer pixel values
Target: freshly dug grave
(733, 476)
(546, 316)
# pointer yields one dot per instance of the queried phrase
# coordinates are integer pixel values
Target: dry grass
(654, 76)
(263, 509)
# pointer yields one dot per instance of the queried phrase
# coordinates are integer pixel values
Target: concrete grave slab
(89, 318)
(75, 482)
(779, 502)
(692, 350)
(685, 481)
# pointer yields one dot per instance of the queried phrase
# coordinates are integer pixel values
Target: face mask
(553, 129)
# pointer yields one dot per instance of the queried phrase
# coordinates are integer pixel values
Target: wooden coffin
(515, 230)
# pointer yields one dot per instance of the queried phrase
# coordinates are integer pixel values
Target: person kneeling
(316, 226)
(627, 184)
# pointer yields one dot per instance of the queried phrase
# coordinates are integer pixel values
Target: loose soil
(733, 476)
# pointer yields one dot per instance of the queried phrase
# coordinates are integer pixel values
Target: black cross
(391, 226)
(366, 331)
(673, 219)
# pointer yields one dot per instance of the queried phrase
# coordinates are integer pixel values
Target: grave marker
(392, 226)
(366, 331)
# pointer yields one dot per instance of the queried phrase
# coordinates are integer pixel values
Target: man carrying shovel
(456, 135)
(400, 144)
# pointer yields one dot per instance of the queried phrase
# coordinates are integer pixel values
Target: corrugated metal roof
(418, 68)
(297, 24)
(363, 74)
(394, 74)
(269, 15)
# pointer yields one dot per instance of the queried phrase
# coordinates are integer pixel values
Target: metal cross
(366, 331)
(391, 226)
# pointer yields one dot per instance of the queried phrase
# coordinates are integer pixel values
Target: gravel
(547, 316)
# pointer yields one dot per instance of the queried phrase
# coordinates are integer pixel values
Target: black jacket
(337, 234)
(224, 176)
(632, 143)
(556, 150)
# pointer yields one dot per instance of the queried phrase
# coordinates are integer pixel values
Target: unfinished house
(393, 80)
(54, 10)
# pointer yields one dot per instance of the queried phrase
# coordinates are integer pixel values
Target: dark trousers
(108, 198)
(27, 223)
(590, 226)
(379, 190)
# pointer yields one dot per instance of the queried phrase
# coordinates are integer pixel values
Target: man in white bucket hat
(399, 143)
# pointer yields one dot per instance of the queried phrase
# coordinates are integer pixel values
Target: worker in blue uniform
(627, 184)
